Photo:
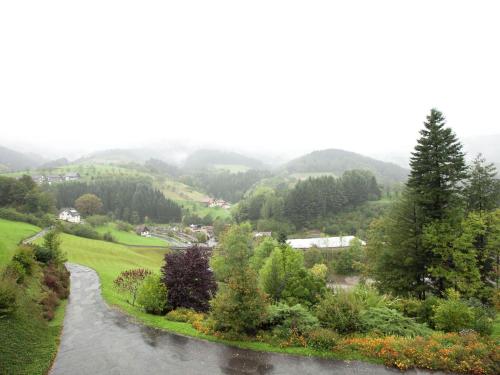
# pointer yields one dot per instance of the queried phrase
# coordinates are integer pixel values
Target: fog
(278, 77)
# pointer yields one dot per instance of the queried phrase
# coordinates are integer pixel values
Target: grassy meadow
(11, 233)
(28, 343)
(130, 238)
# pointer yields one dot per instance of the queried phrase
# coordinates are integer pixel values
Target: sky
(256, 76)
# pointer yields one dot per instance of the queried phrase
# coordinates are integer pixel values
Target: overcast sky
(266, 75)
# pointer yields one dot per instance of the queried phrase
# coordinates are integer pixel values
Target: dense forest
(125, 199)
(225, 185)
(311, 199)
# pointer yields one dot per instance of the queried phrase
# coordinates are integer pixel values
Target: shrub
(8, 297)
(15, 271)
(452, 314)
(49, 303)
(322, 339)
(81, 230)
(25, 257)
(484, 317)
(189, 279)
(123, 226)
(340, 311)
(467, 353)
(421, 311)
(369, 297)
(12, 214)
(286, 318)
(128, 282)
(108, 237)
(184, 315)
(386, 321)
(152, 295)
(56, 278)
(97, 220)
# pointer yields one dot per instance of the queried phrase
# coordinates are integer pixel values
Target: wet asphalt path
(98, 340)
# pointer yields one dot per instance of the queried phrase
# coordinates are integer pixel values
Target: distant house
(54, 179)
(143, 231)
(217, 203)
(322, 242)
(72, 176)
(262, 234)
(70, 214)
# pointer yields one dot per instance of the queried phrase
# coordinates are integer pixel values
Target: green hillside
(130, 238)
(338, 161)
(11, 233)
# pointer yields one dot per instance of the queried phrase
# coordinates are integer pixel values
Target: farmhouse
(69, 214)
(143, 231)
(322, 242)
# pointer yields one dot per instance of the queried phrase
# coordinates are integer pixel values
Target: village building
(72, 176)
(322, 242)
(143, 230)
(262, 234)
(70, 214)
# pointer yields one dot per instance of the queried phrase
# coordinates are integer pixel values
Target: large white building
(70, 214)
(322, 242)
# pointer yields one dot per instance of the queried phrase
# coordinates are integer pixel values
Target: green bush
(340, 311)
(322, 339)
(484, 317)
(45, 255)
(386, 321)
(8, 297)
(421, 311)
(152, 295)
(108, 237)
(184, 315)
(97, 220)
(81, 230)
(283, 319)
(369, 297)
(453, 314)
(25, 257)
(15, 271)
(124, 226)
(12, 214)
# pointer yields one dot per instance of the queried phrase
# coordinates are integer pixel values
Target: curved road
(99, 340)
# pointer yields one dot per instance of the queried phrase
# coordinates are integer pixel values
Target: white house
(143, 231)
(322, 242)
(70, 214)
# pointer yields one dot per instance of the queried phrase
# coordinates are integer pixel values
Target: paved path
(99, 340)
(36, 236)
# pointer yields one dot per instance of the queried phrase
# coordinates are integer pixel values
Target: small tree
(88, 204)
(152, 295)
(128, 282)
(188, 278)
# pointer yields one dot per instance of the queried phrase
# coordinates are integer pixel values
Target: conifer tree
(437, 168)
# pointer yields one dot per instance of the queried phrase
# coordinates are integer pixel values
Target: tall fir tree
(437, 168)
(482, 192)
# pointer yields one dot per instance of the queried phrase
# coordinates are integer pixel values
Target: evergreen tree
(239, 306)
(437, 168)
(481, 190)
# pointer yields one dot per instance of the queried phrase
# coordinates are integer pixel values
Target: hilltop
(335, 161)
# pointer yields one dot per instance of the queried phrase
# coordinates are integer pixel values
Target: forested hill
(11, 160)
(338, 161)
(203, 159)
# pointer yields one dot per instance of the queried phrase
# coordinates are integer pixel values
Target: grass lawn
(11, 233)
(202, 210)
(28, 344)
(130, 238)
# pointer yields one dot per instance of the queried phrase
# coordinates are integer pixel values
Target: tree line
(310, 200)
(131, 200)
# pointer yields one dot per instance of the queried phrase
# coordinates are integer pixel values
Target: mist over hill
(11, 160)
(338, 161)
